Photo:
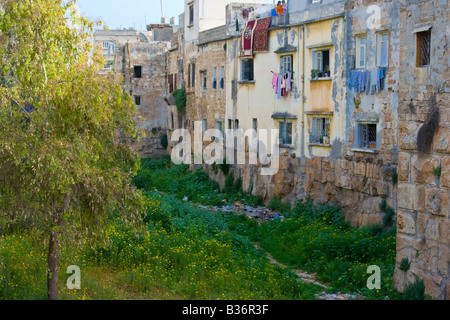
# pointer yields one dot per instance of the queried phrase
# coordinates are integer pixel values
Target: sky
(120, 14)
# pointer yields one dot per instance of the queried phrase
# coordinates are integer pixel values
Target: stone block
(406, 223)
(445, 172)
(411, 197)
(444, 231)
(437, 201)
(432, 229)
(442, 140)
(407, 133)
(432, 287)
(443, 260)
(403, 166)
(372, 171)
(360, 169)
(422, 169)
(326, 164)
(344, 182)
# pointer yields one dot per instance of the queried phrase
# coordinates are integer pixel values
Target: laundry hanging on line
(281, 84)
(367, 81)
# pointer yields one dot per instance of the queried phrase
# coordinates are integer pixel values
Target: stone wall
(423, 197)
(151, 117)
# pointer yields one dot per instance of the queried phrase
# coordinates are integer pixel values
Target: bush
(277, 204)
(180, 98)
(415, 291)
(404, 264)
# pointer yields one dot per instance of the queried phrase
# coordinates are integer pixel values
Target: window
(204, 125)
(321, 63)
(222, 77)
(137, 100)
(423, 48)
(214, 85)
(286, 133)
(189, 75)
(171, 120)
(286, 64)
(255, 124)
(320, 130)
(367, 133)
(138, 71)
(361, 42)
(382, 49)
(172, 82)
(204, 80)
(193, 74)
(247, 70)
(105, 44)
(220, 125)
(191, 15)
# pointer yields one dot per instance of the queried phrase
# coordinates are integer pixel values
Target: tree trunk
(52, 271)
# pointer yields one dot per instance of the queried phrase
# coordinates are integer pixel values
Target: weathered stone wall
(423, 198)
(151, 118)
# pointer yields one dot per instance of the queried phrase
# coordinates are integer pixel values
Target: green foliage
(395, 178)
(316, 238)
(164, 141)
(437, 171)
(415, 291)
(388, 218)
(229, 183)
(389, 214)
(383, 205)
(59, 117)
(277, 204)
(180, 98)
(225, 167)
(404, 264)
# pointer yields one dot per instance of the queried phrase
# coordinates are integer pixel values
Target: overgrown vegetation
(180, 251)
(180, 98)
(437, 171)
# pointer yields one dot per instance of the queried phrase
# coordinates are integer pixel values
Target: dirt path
(310, 278)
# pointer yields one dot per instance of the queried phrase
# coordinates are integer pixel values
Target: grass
(180, 251)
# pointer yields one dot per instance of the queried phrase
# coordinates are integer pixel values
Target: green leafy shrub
(180, 98)
(277, 204)
(404, 264)
(437, 171)
(415, 291)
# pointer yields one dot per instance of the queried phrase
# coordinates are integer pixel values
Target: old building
(140, 62)
(424, 147)
(361, 117)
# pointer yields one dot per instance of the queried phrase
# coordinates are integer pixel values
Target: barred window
(247, 73)
(423, 48)
(368, 136)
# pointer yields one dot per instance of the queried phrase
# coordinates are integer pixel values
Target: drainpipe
(303, 91)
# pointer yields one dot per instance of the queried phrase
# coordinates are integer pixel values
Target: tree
(61, 166)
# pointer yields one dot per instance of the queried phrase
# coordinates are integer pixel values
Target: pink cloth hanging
(275, 82)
